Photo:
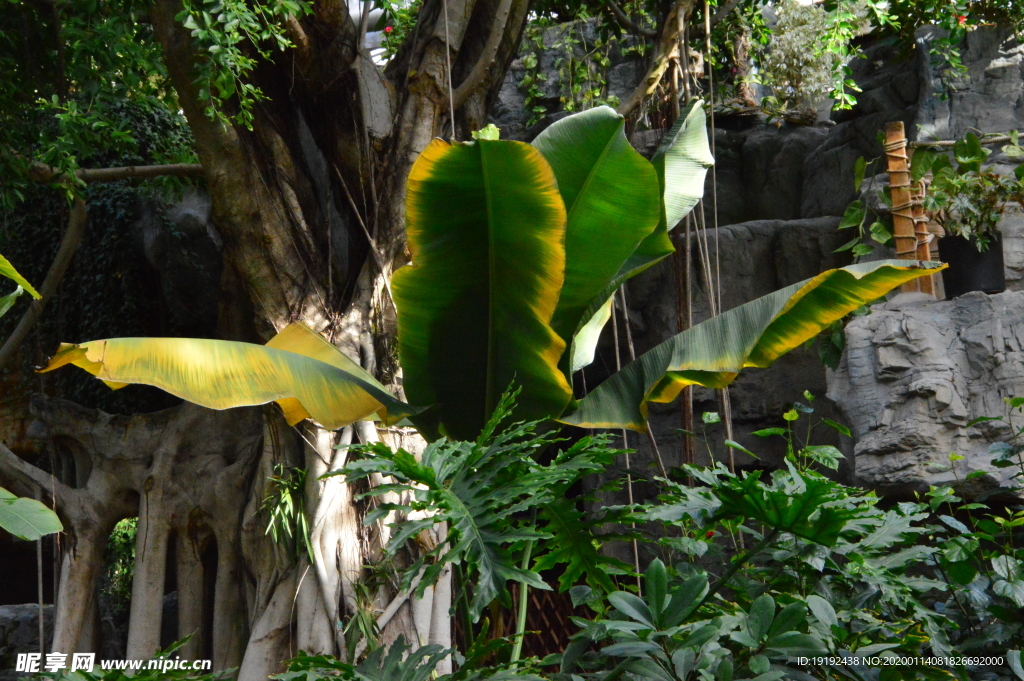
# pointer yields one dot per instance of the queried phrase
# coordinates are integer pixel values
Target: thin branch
(628, 23)
(668, 47)
(479, 72)
(68, 245)
(41, 172)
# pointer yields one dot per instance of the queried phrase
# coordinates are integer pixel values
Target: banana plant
(24, 518)
(516, 252)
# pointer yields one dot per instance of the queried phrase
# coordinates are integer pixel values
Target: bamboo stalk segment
(902, 203)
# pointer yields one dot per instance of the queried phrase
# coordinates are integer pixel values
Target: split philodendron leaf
(516, 253)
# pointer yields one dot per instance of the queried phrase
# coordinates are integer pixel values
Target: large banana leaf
(681, 164)
(713, 352)
(611, 197)
(306, 375)
(7, 270)
(486, 228)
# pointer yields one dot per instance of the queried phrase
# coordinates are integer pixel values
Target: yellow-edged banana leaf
(26, 518)
(297, 369)
(7, 270)
(486, 226)
(612, 203)
(713, 352)
(681, 164)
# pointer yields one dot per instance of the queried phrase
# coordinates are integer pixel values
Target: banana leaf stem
(524, 590)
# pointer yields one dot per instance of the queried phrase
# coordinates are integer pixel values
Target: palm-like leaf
(680, 164)
(611, 198)
(713, 352)
(306, 375)
(486, 228)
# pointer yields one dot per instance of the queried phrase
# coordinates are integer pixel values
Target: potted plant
(968, 199)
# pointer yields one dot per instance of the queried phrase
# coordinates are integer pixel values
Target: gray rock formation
(19, 633)
(915, 374)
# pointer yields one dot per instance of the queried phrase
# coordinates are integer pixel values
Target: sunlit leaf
(26, 518)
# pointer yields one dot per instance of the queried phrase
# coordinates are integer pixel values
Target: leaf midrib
(489, 368)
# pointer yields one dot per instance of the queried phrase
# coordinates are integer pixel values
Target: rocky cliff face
(917, 374)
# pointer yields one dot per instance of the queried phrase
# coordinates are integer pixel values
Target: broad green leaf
(486, 228)
(26, 518)
(7, 270)
(633, 606)
(681, 164)
(303, 373)
(713, 352)
(611, 200)
(656, 584)
(759, 621)
(685, 600)
(823, 611)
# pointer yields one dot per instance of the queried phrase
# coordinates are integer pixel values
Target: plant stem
(517, 647)
(737, 564)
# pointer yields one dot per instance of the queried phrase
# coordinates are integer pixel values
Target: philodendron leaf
(297, 369)
(26, 518)
(713, 352)
(7, 270)
(612, 202)
(486, 229)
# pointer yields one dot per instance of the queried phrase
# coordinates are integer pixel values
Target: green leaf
(713, 352)
(921, 164)
(1013, 659)
(633, 606)
(7, 302)
(792, 504)
(823, 611)
(26, 518)
(681, 165)
(759, 664)
(858, 173)
(7, 270)
(611, 200)
(486, 228)
(656, 584)
(837, 427)
(303, 373)
(584, 343)
(573, 544)
(685, 600)
(759, 620)
(488, 132)
(710, 417)
(854, 215)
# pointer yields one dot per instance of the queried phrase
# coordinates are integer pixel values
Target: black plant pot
(970, 269)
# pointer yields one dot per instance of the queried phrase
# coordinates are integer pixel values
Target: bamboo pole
(902, 203)
(924, 237)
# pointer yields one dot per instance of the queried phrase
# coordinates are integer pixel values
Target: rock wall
(916, 373)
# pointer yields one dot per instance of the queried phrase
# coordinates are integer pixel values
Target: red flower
(961, 19)
(388, 29)
(710, 534)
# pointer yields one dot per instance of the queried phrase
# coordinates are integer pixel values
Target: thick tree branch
(44, 173)
(68, 245)
(668, 46)
(27, 474)
(480, 68)
(628, 23)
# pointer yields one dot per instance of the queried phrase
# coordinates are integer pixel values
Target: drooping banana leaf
(7, 270)
(26, 518)
(713, 352)
(612, 202)
(294, 369)
(486, 226)
(681, 164)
